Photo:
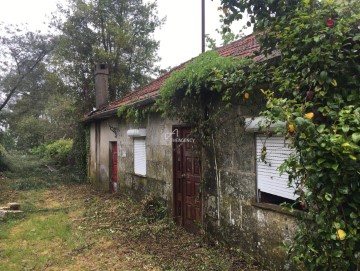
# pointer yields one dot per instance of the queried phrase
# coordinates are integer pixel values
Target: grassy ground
(67, 226)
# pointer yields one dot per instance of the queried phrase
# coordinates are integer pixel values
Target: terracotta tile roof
(244, 47)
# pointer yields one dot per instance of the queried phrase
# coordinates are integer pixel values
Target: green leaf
(355, 137)
(353, 157)
(323, 75)
(334, 166)
(345, 128)
(337, 225)
(328, 197)
(300, 121)
(320, 161)
(356, 37)
(321, 128)
(338, 253)
(344, 190)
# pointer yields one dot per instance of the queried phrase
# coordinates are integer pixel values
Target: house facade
(226, 192)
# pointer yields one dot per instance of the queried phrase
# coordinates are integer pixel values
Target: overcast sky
(180, 37)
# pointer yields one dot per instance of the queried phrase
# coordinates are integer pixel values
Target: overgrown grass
(36, 241)
(71, 226)
(28, 172)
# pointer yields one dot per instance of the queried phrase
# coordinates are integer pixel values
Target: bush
(4, 162)
(39, 151)
(59, 151)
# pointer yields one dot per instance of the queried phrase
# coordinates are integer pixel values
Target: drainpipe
(218, 183)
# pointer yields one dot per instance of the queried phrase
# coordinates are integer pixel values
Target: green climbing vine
(315, 88)
(199, 92)
(311, 80)
(135, 114)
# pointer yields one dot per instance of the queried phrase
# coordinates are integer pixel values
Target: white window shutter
(139, 156)
(268, 175)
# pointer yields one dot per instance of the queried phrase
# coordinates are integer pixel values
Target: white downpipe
(218, 183)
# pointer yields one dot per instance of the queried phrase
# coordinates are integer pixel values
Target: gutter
(113, 112)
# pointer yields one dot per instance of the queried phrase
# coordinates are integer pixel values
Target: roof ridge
(238, 48)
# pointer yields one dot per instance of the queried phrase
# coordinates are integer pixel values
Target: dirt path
(73, 227)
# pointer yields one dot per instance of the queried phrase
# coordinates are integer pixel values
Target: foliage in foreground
(314, 87)
(318, 96)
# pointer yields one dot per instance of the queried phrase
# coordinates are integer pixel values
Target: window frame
(140, 163)
(287, 193)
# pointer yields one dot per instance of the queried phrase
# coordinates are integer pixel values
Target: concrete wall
(100, 141)
(159, 176)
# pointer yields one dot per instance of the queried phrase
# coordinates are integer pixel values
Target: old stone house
(239, 204)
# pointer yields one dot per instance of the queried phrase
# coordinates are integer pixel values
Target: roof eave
(113, 112)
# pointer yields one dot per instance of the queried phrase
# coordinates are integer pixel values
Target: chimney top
(101, 85)
(101, 68)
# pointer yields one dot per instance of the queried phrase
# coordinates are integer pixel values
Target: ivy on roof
(200, 79)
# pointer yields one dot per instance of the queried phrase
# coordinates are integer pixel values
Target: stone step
(6, 213)
(14, 206)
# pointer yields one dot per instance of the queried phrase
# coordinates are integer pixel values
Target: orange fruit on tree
(309, 115)
(291, 128)
(340, 234)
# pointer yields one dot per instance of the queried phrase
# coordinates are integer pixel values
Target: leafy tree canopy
(106, 31)
(20, 53)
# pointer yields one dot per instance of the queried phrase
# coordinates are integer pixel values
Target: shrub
(4, 162)
(59, 151)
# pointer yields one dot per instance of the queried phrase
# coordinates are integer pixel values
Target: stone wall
(232, 214)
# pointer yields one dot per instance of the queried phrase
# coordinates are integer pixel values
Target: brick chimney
(101, 85)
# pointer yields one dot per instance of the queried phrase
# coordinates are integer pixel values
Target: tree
(21, 52)
(227, 35)
(314, 88)
(114, 32)
(42, 113)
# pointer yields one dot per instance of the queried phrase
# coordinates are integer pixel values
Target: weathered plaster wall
(230, 181)
(100, 139)
(158, 142)
(229, 178)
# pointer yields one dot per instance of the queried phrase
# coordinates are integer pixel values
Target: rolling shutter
(268, 175)
(139, 156)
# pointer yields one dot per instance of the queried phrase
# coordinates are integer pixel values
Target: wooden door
(187, 181)
(114, 168)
